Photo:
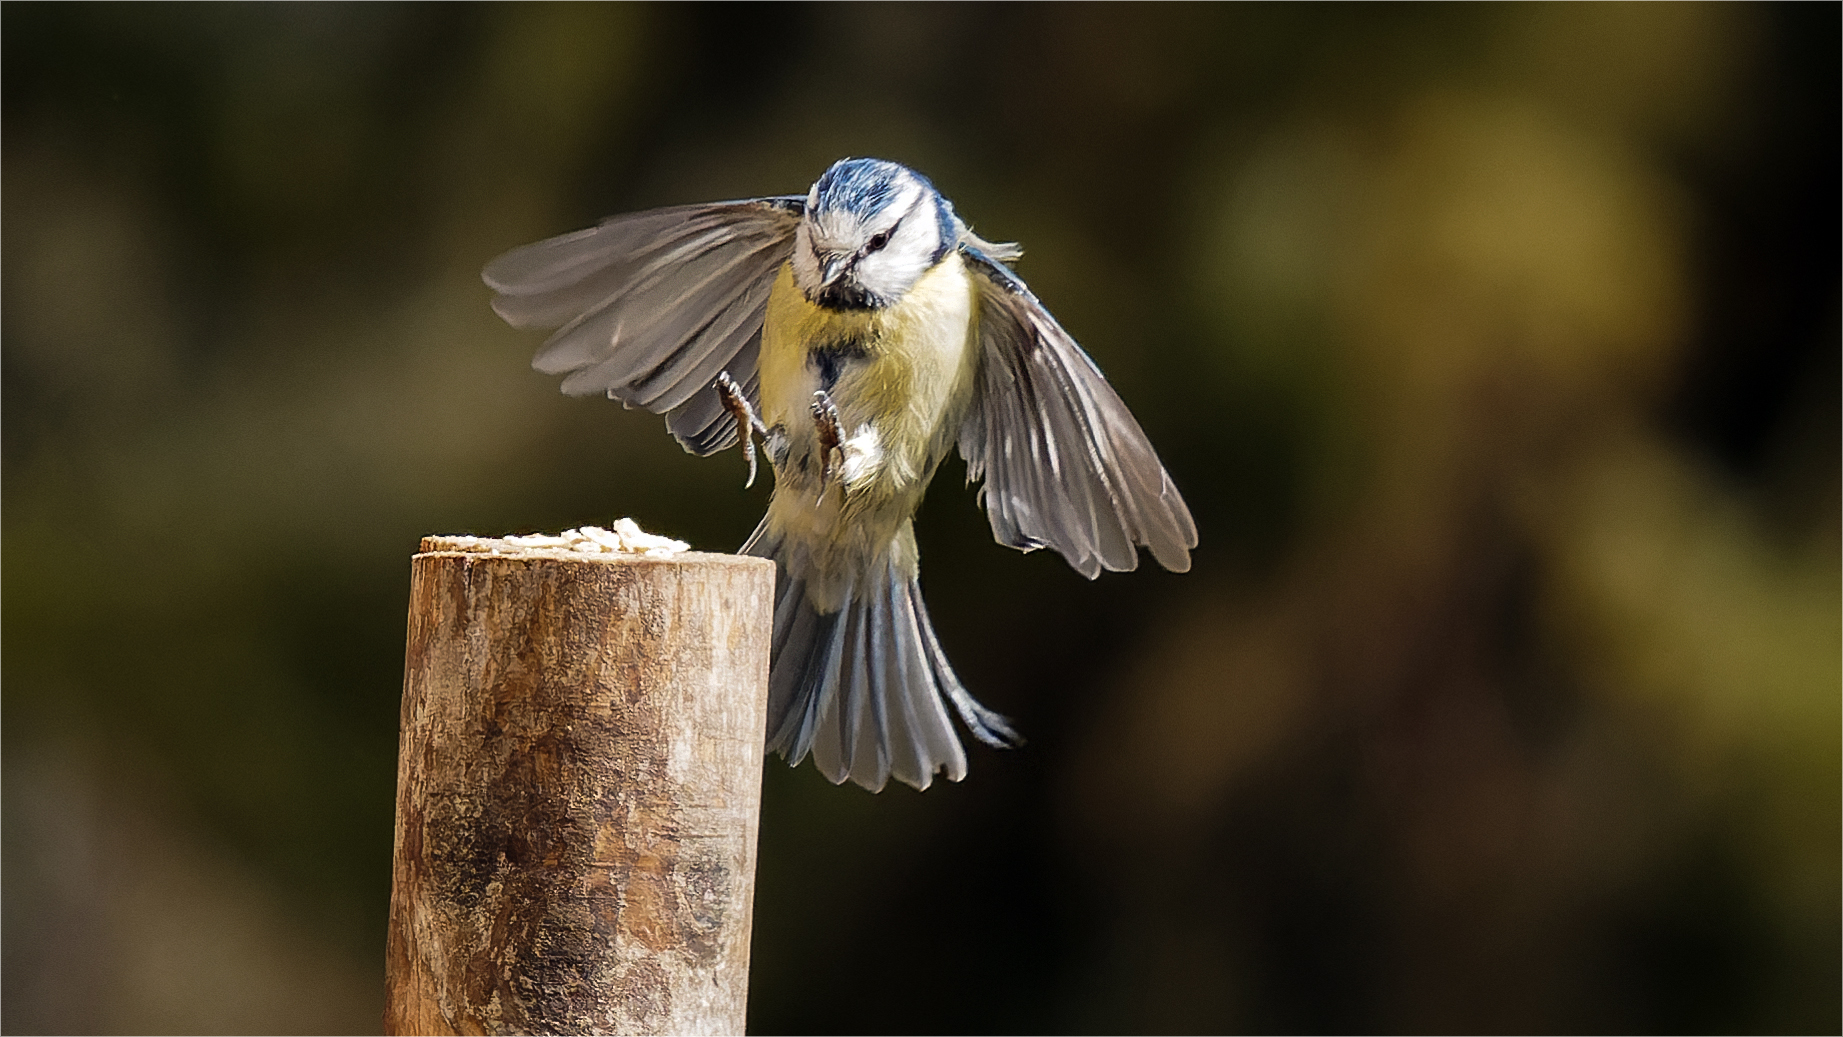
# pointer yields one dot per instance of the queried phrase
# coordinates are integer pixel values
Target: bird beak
(833, 266)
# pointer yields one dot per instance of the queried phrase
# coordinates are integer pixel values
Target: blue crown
(861, 186)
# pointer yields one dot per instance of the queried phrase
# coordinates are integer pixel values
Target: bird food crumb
(625, 538)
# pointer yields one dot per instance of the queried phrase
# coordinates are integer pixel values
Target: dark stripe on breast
(830, 359)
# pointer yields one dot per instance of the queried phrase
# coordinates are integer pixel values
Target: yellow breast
(906, 369)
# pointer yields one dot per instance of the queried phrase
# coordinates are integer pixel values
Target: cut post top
(625, 543)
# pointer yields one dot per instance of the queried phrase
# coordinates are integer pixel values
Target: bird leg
(747, 424)
(831, 434)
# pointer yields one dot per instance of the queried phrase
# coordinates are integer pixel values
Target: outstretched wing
(1065, 465)
(650, 307)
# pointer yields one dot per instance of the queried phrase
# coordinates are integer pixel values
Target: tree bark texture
(578, 792)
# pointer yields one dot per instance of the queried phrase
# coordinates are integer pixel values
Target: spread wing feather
(650, 308)
(1065, 464)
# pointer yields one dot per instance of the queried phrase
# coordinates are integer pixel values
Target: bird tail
(864, 688)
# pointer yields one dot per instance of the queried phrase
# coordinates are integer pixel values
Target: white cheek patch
(863, 452)
(919, 233)
(806, 268)
(909, 254)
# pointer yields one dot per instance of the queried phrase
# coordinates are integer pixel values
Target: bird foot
(748, 426)
(831, 434)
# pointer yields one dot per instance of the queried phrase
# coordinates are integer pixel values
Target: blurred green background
(1494, 347)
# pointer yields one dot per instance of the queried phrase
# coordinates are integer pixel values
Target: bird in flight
(860, 332)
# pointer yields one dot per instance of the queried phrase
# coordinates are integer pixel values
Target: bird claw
(748, 426)
(831, 434)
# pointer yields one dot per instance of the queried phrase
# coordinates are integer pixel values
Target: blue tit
(860, 331)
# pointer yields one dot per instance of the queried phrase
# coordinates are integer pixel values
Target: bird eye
(877, 241)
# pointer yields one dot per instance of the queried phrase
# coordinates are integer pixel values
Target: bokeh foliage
(1495, 349)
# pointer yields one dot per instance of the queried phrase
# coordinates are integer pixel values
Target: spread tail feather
(865, 689)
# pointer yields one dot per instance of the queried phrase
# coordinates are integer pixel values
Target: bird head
(872, 229)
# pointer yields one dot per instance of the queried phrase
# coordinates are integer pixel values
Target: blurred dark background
(1494, 347)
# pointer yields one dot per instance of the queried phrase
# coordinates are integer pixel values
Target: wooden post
(578, 791)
